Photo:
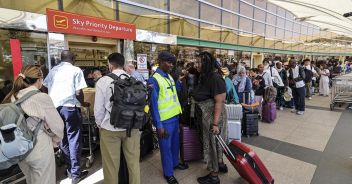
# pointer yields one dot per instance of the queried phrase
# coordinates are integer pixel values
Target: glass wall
(33, 51)
(143, 18)
(35, 6)
(96, 8)
(245, 22)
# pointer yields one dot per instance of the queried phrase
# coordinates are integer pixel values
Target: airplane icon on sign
(60, 22)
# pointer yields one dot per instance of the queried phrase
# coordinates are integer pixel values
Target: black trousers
(299, 95)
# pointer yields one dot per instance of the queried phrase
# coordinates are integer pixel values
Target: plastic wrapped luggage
(269, 112)
(246, 162)
(234, 111)
(235, 130)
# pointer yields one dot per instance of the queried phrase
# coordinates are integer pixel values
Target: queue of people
(60, 110)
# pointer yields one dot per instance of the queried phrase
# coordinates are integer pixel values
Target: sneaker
(183, 166)
(223, 168)
(309, 98)
(293, 110)
(171, 179)
(300, 112)
(281, 108)
(83, 175)
(208, 179)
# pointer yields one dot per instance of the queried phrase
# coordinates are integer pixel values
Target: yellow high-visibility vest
(168, 104)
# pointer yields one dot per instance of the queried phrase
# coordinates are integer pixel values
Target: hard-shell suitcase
(269, 112)
(246, 162)
(250, 118)
(191, 147)
(250, 124)
(234, 111)
(234, 129)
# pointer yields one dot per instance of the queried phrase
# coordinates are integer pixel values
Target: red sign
(15, 46)
(64, 22)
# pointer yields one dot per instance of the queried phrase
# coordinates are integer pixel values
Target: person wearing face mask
(39, 166)
(296, 82)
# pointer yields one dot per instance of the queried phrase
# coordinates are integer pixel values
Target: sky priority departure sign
(71, 23)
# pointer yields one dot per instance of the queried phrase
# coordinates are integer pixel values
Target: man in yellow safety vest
(165, 109)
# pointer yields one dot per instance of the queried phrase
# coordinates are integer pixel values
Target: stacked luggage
(269, 105)
(250, 118)
(234, 117)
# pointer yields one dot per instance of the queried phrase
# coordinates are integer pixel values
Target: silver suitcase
(234, 111)
(234, 129)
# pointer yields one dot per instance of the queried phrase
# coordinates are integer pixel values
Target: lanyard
(169, 83)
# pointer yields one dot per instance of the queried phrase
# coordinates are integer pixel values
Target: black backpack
(309, 75)
(129, 98)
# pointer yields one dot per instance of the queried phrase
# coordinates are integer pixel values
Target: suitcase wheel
(89, 161)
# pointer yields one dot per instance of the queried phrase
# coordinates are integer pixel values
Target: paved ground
(313, 148)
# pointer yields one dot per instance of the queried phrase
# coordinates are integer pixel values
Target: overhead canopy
(327, 14)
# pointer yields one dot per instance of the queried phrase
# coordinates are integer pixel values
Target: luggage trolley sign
(141, 61)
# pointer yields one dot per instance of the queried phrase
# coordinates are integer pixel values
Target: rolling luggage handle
(225, 147)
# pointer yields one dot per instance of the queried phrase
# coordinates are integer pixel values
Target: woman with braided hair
(210, 97)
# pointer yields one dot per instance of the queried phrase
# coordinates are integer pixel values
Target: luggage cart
(89, 135)
(12, 175)
(341, 92)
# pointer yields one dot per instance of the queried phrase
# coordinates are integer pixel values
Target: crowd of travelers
(54, 115)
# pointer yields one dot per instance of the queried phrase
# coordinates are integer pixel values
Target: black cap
(166, 56)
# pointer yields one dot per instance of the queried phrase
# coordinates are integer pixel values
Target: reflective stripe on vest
(168, 104)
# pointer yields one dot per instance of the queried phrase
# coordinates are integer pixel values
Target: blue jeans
(71, 143)
(169, 148)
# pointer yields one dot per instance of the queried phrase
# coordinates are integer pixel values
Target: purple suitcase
(269, 112)
(191, 147)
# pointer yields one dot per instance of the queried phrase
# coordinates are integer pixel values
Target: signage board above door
(71, 23)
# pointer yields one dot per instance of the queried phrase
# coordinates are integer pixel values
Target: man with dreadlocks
(210, 97)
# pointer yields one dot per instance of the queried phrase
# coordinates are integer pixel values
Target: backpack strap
(26, 96)
(113, 76)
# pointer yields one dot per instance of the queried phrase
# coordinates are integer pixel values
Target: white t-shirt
(62, 82)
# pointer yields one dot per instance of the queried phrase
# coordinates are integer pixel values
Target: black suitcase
(250, 124)
(147, 143)
(147, 138)
(250, 118)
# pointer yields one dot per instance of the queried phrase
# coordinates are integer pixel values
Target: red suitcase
(246, 162)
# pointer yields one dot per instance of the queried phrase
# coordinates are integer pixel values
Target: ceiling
(327, 14)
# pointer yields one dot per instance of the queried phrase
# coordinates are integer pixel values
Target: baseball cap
(166, 56)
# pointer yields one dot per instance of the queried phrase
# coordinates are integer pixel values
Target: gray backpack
(16, 139)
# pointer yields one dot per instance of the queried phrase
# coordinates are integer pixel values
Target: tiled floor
(296, 150)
